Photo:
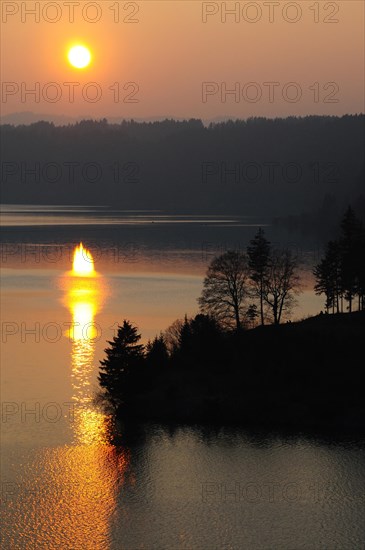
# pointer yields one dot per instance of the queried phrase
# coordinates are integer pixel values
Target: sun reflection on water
(70, 496)
(83, 262)
(98, 463)
(85, 293)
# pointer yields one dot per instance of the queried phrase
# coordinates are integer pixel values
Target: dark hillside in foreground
(298, 376)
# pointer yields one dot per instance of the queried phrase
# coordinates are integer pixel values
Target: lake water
(63, 484)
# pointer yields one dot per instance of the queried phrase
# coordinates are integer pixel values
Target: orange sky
(169, 52)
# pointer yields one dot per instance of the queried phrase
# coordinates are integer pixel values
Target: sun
(79, 57)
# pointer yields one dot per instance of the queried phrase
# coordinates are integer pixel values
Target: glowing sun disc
(79, 57)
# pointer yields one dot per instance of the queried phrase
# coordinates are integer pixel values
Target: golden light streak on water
(84, 296)
(71, 491)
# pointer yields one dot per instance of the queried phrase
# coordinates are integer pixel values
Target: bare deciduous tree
(226, 289)
(172, 334)
(281, 283)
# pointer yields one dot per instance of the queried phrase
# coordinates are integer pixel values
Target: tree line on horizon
(266, 167)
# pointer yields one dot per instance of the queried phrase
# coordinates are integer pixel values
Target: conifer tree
(124, 358)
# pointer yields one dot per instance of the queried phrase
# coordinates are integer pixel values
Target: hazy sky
(280, 58)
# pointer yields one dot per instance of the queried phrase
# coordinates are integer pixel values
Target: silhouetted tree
(350, 243)
(226, 289)
(258, 254)
(157, 355)
(172, 335)
(328, 276)
(341, 272)
(361, 274)
(252, 314)
(118, 371)
(199, 347)
(281, 283)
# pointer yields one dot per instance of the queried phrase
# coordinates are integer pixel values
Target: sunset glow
(183, 274)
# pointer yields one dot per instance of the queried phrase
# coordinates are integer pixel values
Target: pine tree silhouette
(119, 371)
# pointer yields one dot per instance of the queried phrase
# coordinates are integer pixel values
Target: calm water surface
(63, 484)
